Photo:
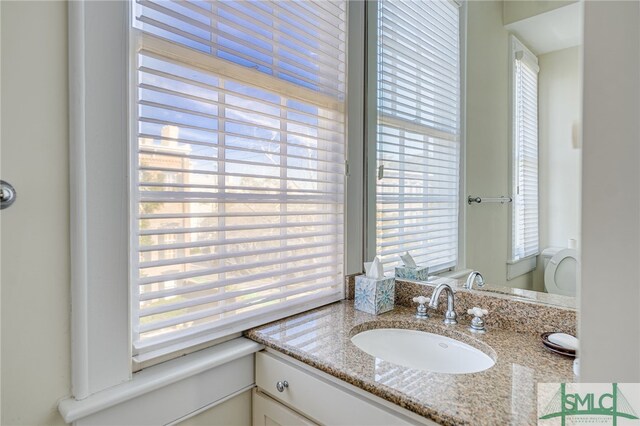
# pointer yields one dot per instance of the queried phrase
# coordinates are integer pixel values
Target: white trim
(457, 274)
(515, 262)
(213, 404)
(132, 131)
(523, 54)
(78, 211)
(98, 184)
(158, 377)
(510, 150)
(461, 264)
(516, 268)
(354, 194)
(371, 126)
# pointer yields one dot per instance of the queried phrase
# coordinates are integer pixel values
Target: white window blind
(525, 239)
(239, 166)
(418, 136)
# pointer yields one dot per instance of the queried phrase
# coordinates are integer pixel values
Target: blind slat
(231, 255)
(208, 243)
(176, 291)
(224, 308)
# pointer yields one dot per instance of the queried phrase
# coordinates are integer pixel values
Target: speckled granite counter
(507, 311)
(504, 394)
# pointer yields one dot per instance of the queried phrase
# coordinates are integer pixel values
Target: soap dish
(556, 348)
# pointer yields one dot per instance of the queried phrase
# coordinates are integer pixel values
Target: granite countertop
(510, 293)
(537, 296)
(504, 394)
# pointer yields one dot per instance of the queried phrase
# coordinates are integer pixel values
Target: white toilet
(560, 270)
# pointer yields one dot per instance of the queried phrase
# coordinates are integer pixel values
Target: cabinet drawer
(268, 412)
(318, 399)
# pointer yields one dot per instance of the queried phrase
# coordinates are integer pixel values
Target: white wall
(34, 240)
(517, 10)
(610, 290)
(487, 142)
(559, 106)
(35, 230)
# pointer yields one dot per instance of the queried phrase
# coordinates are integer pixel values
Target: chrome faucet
(449, 316)
(475, 276)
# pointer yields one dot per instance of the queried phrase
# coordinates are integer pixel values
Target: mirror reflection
(520, 168)
(522, 115)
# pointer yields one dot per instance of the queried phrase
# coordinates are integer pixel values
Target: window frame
(524, 265)
(98, 68)
(99, 78)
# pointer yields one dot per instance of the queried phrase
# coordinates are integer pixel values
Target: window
(418, 132)
(524, 229)
(239, 166)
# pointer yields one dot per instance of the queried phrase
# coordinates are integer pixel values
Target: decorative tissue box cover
(374, 296)
(420, 273)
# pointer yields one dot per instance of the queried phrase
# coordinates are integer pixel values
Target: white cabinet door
(321, 400)
(267, 412)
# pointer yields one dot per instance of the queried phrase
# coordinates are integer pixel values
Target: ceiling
(557, 29)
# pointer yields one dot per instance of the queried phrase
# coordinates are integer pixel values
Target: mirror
(520, 173)
(552, 36)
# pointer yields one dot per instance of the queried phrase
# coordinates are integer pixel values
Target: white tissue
(374, 269)
(408, 261)
(565, 340)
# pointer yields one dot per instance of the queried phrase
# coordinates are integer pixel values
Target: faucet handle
(421, 312)
(479, 312)
(477, 323)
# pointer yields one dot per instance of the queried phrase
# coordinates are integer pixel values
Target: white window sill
(516, 268)
(462, 273)
(167, 381)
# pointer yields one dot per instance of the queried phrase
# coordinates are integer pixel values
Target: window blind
(418, 132)
(525, 236)
(238, 166)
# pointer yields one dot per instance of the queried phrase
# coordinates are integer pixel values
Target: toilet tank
(548, 253)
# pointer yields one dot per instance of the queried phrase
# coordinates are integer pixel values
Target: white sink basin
(422, 350)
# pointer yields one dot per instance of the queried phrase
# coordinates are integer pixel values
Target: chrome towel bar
(500, 199)
(7, 194)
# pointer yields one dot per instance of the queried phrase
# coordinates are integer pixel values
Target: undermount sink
(422, 350)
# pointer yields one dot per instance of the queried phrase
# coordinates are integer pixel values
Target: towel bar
(500, 199)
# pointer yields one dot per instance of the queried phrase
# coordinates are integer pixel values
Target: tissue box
(374, 296)
(419, 273)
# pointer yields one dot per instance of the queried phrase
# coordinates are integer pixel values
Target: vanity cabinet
(311, 396)
(269, 412)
